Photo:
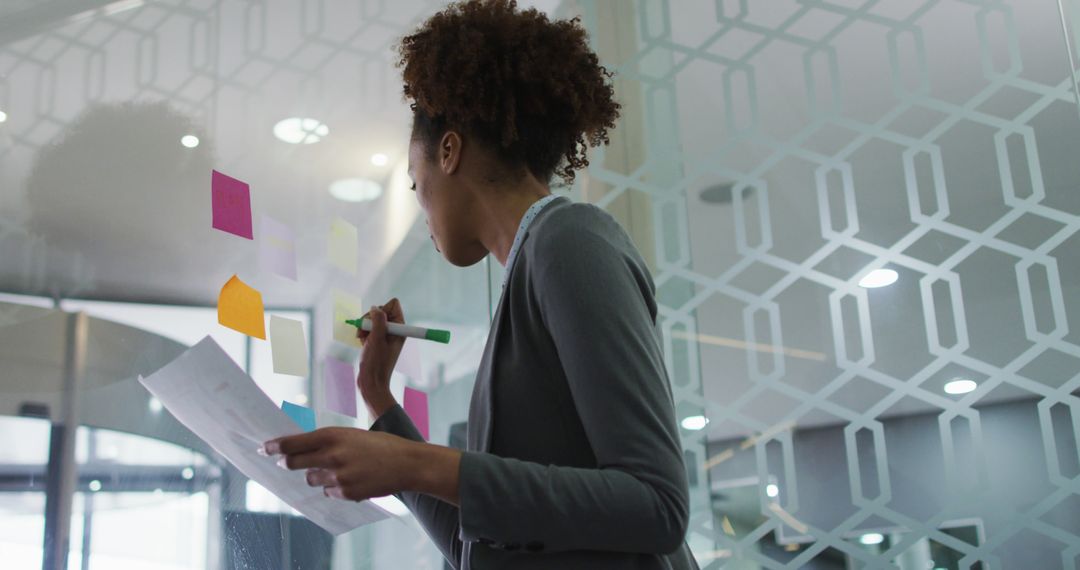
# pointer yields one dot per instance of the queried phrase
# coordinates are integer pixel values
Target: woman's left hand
(348, 463)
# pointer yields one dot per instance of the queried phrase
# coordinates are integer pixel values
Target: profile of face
(447, 199)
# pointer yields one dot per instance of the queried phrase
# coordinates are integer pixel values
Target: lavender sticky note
(303, 416)
(340, 387)
(416, 405)
(231, 202)
(277, 248)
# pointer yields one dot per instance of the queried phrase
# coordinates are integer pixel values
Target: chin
(464, 259)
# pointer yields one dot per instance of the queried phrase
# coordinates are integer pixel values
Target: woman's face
(447, 202)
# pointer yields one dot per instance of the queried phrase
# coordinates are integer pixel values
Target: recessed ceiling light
(694, 422)
(190, 141)
(187, 473)
(355, 190)
(379, 159)
(3, 116)
(871, 538)
(960, 386)
(95, 485)
(772, 490)
(879, 278)
(299, 130)
(155, 404)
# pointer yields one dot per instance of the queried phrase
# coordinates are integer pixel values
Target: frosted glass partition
(861, 217)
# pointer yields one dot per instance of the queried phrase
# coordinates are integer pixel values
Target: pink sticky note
(231, 202)
(340, 388)
(417, 408)
(277, 248)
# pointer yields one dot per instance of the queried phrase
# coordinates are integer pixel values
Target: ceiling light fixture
(960, 386)
(355, 190)
(694, 422)
(3, 117)
(879, 278)
(871, 538)
(772, 490)
(379, 159)
(189, 141)
(300, 130)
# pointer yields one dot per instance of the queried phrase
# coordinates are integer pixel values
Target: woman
(573, 457)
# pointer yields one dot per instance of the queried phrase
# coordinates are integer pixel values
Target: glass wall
(861, 216)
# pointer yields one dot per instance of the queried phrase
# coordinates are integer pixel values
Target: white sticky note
(289, 346)
(344, 246)
(346, 307)
(208, 393)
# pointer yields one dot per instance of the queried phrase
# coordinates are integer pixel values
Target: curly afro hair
(527, 87)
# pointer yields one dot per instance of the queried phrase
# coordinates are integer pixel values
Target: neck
(502, 210)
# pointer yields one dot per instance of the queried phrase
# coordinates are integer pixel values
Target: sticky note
(416, 405)
(340, 387)
(277, 248)
(231, 202)
(303, 416)
(346, 306)
(344, 246)
(241, 308)
(288, 346)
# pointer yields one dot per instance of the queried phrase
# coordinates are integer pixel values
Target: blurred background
(861, 217)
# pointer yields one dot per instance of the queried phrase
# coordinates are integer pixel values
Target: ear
(449, 152)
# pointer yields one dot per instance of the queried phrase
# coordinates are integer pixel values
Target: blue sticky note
(304, 417)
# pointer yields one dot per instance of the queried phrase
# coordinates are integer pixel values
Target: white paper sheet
(207, 392)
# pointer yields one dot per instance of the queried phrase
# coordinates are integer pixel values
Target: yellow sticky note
(344, 246)
(346, 307)
(241, 308)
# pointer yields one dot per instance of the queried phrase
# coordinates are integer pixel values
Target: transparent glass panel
(863, 222)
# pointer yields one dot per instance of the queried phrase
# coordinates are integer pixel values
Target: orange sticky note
(240, 308)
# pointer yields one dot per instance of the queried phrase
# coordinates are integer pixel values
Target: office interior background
(862, 218)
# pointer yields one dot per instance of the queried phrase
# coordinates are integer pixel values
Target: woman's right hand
(378, 357)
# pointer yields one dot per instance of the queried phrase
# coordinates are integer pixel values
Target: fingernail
(261, 450)
(281, 463)
(271, 448)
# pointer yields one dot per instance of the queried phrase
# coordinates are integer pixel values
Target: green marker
(404, 330)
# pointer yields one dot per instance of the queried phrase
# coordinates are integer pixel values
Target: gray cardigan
(573, 457)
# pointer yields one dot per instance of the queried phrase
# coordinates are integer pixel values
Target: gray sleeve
(596, 300)
(439, 518)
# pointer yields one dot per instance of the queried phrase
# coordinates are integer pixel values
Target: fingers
(378, 322)
(361, 333)
(314, 460)
(300, 443)
(393, 311)
(321, 478)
